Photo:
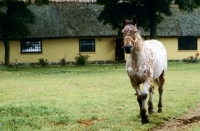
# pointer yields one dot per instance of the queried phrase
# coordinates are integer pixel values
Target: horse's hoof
(159, 111)
(151, 111)
(145, 121)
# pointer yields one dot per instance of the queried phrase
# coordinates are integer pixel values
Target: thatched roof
(69, 20)
(180, 24)
(80, 20)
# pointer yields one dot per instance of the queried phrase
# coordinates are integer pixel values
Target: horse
(146, 64)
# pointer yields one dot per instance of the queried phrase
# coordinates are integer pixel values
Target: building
(70, 27)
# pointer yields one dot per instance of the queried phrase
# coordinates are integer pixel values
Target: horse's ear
(134, 20)
(124, 21)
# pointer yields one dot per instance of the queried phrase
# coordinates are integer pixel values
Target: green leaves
(41, 2)
(16, 17)
(187, 5)
(81, 59)
(144, 9)
(102, 2)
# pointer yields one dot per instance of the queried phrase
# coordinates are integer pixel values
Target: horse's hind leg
(160, 90)
(150, 103)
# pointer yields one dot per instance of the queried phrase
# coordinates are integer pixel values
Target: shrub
(191, 59)
(42, 61)
(63, 61)
(81, 59)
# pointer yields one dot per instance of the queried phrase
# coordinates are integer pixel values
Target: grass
(196, 128)
(96, 97)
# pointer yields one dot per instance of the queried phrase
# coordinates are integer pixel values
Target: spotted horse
(146, 63)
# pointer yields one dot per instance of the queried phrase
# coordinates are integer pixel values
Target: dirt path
(183, 123)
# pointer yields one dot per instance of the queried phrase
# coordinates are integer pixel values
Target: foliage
(63, 61)
(191, 59)
(14, 22)
(15, 19)
(43, 62)
(187, 5)
(148, 12)
(114, 11)
(81, 59)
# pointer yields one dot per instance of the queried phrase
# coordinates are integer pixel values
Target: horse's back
(159, 56)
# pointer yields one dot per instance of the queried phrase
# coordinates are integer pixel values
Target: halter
(128, 37)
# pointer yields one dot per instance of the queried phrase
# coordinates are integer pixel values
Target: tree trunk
(153, 25)
(7, 51)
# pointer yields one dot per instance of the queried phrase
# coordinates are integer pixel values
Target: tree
(15, 18)
(148, 12)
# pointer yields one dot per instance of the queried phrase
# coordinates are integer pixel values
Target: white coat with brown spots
(147, 62)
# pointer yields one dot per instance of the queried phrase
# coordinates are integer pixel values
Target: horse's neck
(137, 53)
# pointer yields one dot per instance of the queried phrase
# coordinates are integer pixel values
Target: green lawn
(95, 97)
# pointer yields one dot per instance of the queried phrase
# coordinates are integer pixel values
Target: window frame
(80, 42)
(31, 40)
(187, 40)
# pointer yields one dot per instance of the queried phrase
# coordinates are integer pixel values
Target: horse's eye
(134, 32)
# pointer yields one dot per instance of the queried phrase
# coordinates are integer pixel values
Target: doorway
(119, 50)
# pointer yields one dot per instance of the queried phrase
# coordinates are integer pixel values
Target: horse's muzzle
(128, 48)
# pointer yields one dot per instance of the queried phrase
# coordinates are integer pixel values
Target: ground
(183, 123)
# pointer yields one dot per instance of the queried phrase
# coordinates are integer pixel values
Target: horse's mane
(140, 37)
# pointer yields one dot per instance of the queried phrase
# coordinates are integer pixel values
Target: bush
(81, 59)
(42, 61)
(191, 59)
(63, 61)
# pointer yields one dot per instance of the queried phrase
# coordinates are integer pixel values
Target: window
(86, 45)
(31, 46)
(187, 43)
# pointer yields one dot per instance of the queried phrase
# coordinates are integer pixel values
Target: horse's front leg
(138, 93)
(150, 103)
(143, 98)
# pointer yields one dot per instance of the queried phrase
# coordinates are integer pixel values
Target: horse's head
(130, 34)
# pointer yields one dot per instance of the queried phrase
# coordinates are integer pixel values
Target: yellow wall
(171, 45)
(104, 49)
(56, 49)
